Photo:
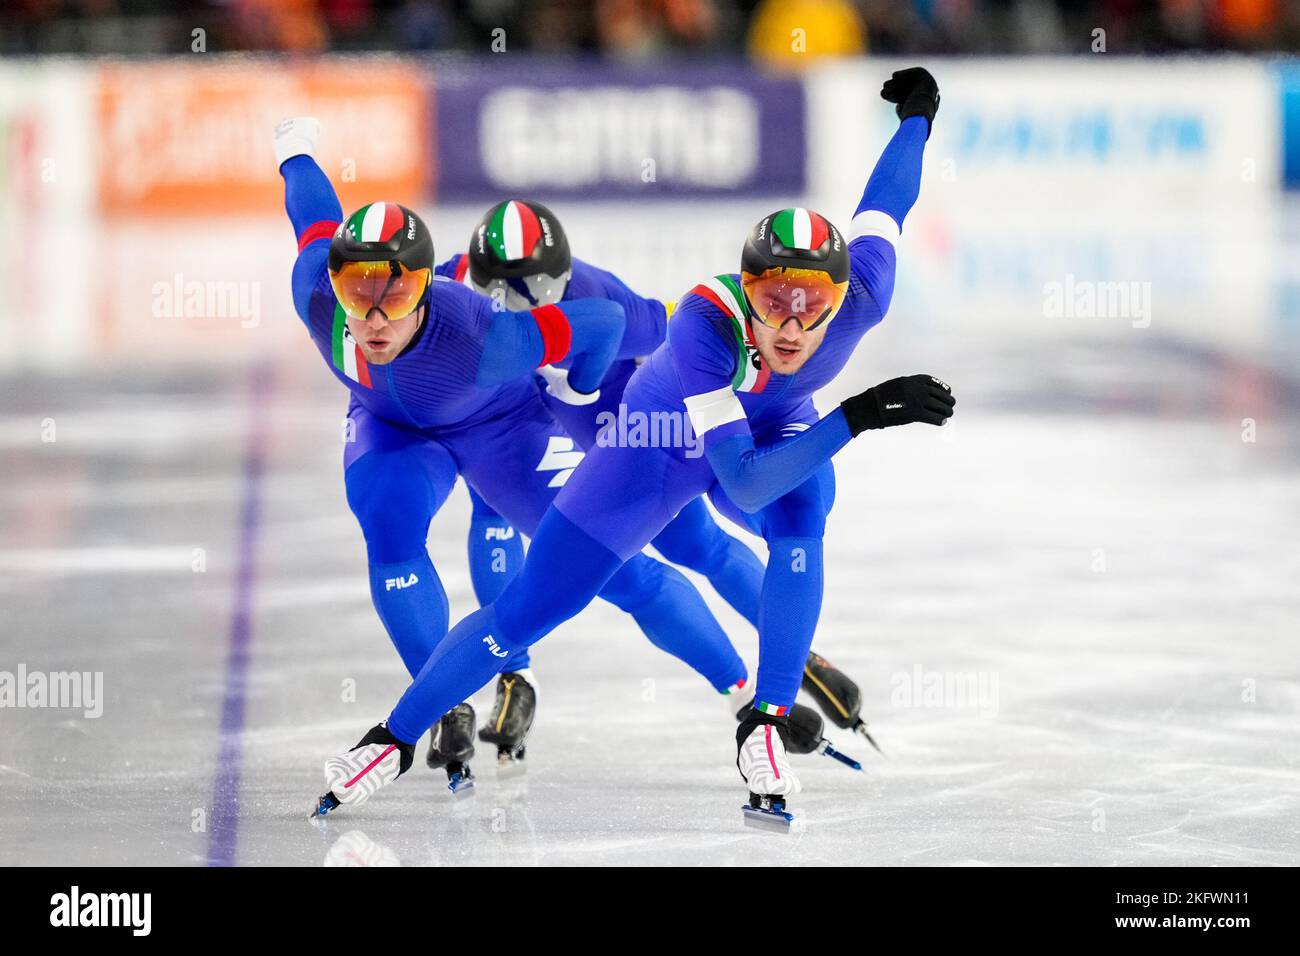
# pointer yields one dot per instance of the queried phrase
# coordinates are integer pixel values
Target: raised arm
(894, 184)
(310, 201)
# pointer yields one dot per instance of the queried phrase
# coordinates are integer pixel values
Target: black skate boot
(451, 745)
(511, 718)
(804, 734)
(837, 695)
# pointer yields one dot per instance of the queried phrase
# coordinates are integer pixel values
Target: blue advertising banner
(1289, 86)
(600, 131)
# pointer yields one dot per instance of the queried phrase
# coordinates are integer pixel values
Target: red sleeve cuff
(556, 334)
(317, 230)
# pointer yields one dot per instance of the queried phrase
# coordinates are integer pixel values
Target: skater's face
(382, 339)
(785, 350)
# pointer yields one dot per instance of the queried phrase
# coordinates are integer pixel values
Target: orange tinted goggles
(806, 295)
(386, 286)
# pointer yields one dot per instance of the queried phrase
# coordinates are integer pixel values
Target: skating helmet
(381, 257)
(795, 265)
(519, 255)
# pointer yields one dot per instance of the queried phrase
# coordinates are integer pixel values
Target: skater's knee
(392, 503)
(639, 582)
(799, 514)
(480, 510)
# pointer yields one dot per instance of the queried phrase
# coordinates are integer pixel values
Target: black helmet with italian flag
(519, 255)
(795, 265)
(381, 257)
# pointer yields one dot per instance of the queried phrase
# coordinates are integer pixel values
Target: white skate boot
(762, 762)
(376, 761)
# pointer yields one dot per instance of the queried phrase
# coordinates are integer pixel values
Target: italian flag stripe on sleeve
(347, 354)
(725, 293)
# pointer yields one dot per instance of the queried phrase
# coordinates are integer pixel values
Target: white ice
(1100, 546)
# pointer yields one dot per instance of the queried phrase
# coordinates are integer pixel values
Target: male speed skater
(441, 385)
(519, 257)
(744, 354)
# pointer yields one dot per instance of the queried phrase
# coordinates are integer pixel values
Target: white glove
(295, 137)
(557, 384)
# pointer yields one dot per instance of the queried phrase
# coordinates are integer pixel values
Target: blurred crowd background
(765, 30)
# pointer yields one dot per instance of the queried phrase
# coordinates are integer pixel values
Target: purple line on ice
(223, 827)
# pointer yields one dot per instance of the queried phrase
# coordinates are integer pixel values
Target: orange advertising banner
(180, 138)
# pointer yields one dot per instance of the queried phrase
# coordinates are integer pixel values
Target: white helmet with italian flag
(519, 256)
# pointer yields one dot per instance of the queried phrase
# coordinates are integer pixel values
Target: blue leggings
(397, 479)
(567, 566)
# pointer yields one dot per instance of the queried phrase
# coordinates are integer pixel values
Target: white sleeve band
(712, 409)
(873, 222)
(557, 384)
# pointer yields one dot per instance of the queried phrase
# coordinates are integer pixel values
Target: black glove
(900, 401)
(915, 92)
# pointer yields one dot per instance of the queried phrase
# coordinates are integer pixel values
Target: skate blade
(774, 821)
(461, 786)
(511, 766)
(324, 805)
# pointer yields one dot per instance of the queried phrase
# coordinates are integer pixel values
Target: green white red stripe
(766, 708)
(377, 222)
(348, 357)
(514, 231)
(800, 228)
(752, 373)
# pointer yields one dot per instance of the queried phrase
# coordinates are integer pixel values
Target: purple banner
(547, 128)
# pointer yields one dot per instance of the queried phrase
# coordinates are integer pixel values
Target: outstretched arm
(585, 331)
(647, 318)
(755, 477)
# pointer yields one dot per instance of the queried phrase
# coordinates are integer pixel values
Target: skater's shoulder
(454, 302)
(718, 297)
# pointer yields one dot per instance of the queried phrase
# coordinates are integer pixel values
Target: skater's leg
(565, 569)
(671, 613)
(694, 540)
(621, 497)
(496, 550)
(395, 483)
(794, 526)
(496, 553)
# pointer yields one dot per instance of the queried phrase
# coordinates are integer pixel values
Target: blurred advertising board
(1056, 132)
(179, 138)
(559, 129)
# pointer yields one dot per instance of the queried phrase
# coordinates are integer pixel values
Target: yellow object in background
(792, 33)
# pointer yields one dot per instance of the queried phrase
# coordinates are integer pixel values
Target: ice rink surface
(1073, 614)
